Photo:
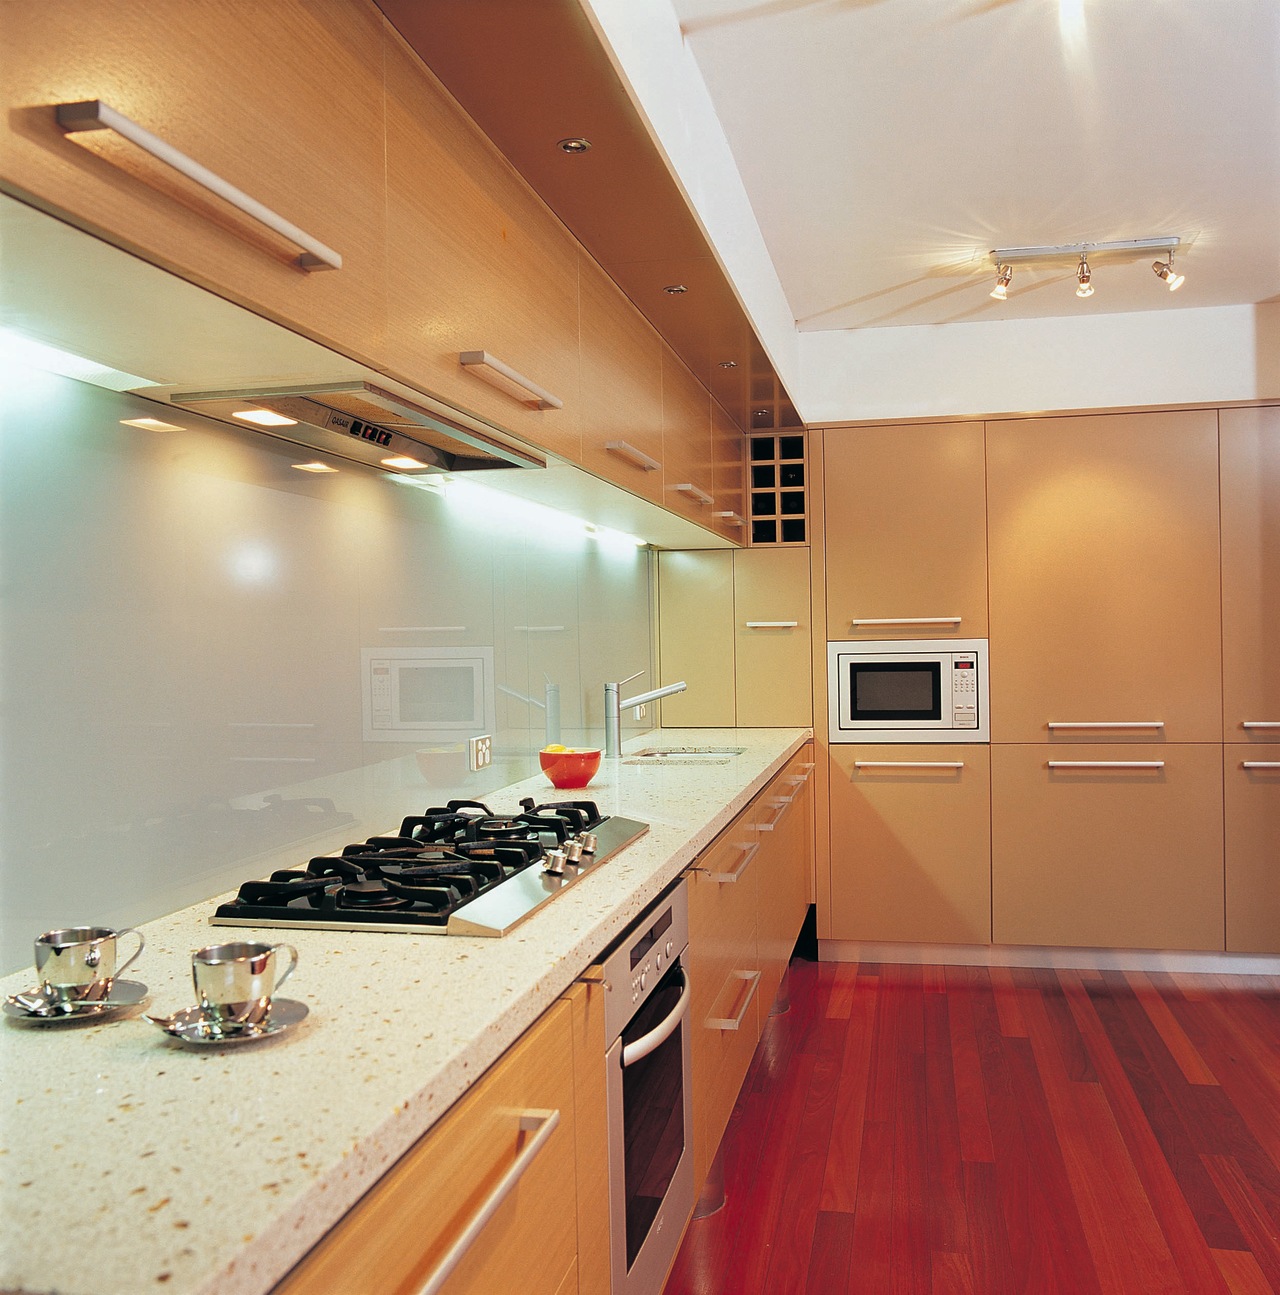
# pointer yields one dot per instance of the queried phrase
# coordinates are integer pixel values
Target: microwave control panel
(964, 689)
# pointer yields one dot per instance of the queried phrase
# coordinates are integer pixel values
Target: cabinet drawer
(911, 844)
(1252, 806)
(396, 1236)
(1106, 856)
(784, 873)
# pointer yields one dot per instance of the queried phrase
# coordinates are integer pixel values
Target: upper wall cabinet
(476, 263)
(1105, 618)
(1250, 440)
(281, 99)
(688, 471)
(906, 532)
(729, 460)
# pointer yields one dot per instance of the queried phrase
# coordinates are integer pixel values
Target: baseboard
(1028, 955)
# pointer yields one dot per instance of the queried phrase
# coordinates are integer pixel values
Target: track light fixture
(1004, 275)
(1164, 270)
(1084, 287)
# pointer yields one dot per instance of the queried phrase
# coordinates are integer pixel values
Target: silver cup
(78, 963)
(234, 982)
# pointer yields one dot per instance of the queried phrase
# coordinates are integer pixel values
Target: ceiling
(887, 146)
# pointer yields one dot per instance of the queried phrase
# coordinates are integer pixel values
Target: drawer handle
(542, 1124)
(1260, 764)
(735, 1022)
(772, 625)
(731, 518)
(1137, 723)
(1106, 764)
(1260, 723)
(777, 818)
(538, 629)
(637, 458)
(809, 765)
(690, 491)
(911, 620)
(908, 764)
(647, 1043)
(422, 629)
(542, 398)
(93, 114)
(749, 852)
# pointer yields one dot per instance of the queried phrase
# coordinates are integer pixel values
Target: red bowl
(569, 769)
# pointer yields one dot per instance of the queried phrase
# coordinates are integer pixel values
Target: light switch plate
(479, 752)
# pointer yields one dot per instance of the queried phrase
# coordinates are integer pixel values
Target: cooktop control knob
(589, 842)
(554, 863)
(573, 851)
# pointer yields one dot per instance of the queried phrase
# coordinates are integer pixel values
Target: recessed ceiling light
(728, 364)
(675, 289)
(315, 466)
(404, 463)
(264, 418)
(151, 425)
(574, 146)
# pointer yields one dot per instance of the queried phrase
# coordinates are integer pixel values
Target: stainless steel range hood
(360, 421)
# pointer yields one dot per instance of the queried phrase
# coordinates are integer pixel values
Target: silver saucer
(125, 994)
(194, 1025)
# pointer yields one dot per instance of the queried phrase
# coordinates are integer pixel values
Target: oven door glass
(895, 690)
(653, 1112)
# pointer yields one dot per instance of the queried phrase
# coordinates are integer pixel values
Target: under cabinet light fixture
(1164, 270)
(264, 418)
(152, 425)
(1083, 275)
(315, 466)
(1004, 276)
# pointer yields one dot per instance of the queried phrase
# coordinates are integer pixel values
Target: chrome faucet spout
(657, 693)
(613, 709)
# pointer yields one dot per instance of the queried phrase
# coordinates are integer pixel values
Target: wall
(181, 619)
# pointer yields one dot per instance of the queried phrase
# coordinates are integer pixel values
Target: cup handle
(129, 961)
(293, 963)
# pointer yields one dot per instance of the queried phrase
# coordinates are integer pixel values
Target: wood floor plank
(844, 1155)
(966, 1066)
(1171, 1032)
(951, 1274)
(842, 990)
(1242, 1274)
(1007, 1002)
(828, 1270)
(1257, 1227)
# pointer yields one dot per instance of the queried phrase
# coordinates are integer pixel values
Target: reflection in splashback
(189, 627)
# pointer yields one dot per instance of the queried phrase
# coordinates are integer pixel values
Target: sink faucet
(613, 709)
(551, 706)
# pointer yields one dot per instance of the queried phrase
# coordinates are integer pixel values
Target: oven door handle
(647, 1043)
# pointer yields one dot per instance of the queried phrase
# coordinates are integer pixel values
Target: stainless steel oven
(648, 1041)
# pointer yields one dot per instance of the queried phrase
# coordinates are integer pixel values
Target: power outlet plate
(479, 752)
(640, 712)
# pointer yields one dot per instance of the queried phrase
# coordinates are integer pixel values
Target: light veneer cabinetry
(396, 1237)
(729, 460)
(1251, 783)
(688, 466)
(696, 637)
(1098, 846)
(910, 843)
(905, 510)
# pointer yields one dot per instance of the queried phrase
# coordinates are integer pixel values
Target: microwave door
(903, 692)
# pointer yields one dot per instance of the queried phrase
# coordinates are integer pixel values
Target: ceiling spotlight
(1082, 274)
(675, 289)
(1165, 271)
(728, 364)
(574, 146)
(1004, 275)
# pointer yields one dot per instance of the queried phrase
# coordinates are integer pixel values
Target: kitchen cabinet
(397, 1234)
(910, 843)
(905, 515)
(688, 471)
(248, 92)
(1251, 783)
(1250, 464)
(736, 626)
(476, 263)
(1105, 602)
(1088, 852)
(729, 486)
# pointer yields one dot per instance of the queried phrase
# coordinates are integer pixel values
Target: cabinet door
(911, 843)
(724, 970)
(396, 1235)
(1105, 601)
(1252, 805)
(687, 466)
(1250, 443)
(621, 387)
(906, 532)
(1107, 856)
(477, 263)
(695, 637)
(282, 99)
(729, 459)
(772, 632)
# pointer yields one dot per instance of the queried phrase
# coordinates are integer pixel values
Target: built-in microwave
(416, 694)
(908, 690)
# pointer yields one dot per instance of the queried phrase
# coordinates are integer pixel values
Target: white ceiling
(886, 146)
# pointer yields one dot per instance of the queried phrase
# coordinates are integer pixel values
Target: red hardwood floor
(974, 1131)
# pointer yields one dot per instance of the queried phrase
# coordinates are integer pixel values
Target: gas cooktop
(456, 869)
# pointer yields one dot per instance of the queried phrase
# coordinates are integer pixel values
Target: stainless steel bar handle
(690, 491)
(735, 1022)
(1092, 724)
(93, 114)
(647, 1043)
(1260, 723)
(908, 764)
(637, 458)
(777, 818)
(538, 629)
(542, 1124)
(731, 517)
(910, 620)
(1106, 764)
(1260, 764)
(542, 398)
(772, 625)
(422, 629)
(749, 853)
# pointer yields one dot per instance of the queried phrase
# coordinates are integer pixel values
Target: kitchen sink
(693, 755)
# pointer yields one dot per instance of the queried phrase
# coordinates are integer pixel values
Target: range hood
(358, 420)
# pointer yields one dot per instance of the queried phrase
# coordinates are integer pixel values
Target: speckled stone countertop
(132, 1163)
